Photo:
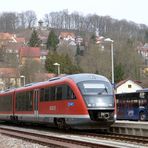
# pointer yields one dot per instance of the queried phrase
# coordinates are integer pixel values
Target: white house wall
(124, 87)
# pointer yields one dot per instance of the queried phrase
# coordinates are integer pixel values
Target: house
(9, 77)
(99, 39)
(67, 36)
(7, 37)
(79, 40)
(29, 52)
(143, 51)
(13, 47)
(127, 85)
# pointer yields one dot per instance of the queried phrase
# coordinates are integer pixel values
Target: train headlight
(115, 116)
(89, 105)
(110, 105)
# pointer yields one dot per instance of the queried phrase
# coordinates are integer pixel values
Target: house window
(129, 86)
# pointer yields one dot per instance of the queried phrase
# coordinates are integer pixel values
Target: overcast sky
(131, 10)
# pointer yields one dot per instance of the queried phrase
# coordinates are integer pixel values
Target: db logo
(130, 113)
(52, 107)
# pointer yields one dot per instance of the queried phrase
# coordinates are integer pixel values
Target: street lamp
(23, 77)
(58, 65)
(112, 56)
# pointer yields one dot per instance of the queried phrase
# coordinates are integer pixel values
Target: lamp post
(112, 56)
(58, 65)
(23, 77)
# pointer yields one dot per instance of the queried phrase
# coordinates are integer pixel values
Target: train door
(36, 99)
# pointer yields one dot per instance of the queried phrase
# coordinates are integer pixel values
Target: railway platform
(130, 128)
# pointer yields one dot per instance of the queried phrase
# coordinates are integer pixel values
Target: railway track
(122, 137)
(53, 140)
(74, 139)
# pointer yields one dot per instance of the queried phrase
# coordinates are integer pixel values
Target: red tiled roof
(9, 72)
(66, 34)
(123, 81)
(30, 52)
(5, 36)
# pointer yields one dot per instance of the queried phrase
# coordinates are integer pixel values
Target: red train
(82, 101)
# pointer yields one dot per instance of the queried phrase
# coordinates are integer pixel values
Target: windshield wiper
(103, 90)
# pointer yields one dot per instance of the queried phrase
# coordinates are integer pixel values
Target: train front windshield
(97, 94)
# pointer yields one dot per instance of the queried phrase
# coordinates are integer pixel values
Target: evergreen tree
(34, 40)
(119, 72)
(69, 67)
(93, 37)
(66, 65)
(52, 41)
(78, 50)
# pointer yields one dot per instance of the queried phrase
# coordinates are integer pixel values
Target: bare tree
(22, 20)
(96, 60)
(47, 19)
(8, 22)
(30, 68)
(30, 18)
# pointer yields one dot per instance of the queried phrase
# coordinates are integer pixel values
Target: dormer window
(129, 86)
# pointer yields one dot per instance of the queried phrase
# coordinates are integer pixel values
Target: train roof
(7, 90)
(75, 77)
(86, 76)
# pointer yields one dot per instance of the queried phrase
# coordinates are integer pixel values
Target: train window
(24, 101)
(135, 103)
(46, 94)
(95, 87)
(145, 102)
(141, 102)
(64, 94)
(29, 99)
(42, 94)
(6, 103)
(18, 102)
(59, 93)
(52, 93)
(70, 94)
